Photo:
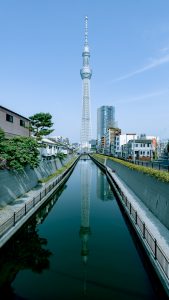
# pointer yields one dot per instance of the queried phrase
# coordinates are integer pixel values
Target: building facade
(120, 142)
(86, 74)
(110, 140)
(141, 149)
(105, 120)
(13, 124)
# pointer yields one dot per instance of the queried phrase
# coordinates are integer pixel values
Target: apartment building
(142, 149)
(110, 139)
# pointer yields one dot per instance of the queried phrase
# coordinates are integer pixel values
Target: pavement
(7, 211)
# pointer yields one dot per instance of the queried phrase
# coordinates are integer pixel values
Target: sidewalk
(8, 211)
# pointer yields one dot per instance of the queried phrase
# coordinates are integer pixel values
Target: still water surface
(78, 246)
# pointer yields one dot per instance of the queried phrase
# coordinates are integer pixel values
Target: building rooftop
(13, 112)
(145, 141)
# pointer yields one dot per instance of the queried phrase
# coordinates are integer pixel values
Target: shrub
(159, 175)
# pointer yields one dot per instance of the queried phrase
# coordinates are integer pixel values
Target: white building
(48, 149)
(122, 140)
(51, 148)
(141, 149)
(110, 140)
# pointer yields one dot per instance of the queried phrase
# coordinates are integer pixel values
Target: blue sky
(40, 60)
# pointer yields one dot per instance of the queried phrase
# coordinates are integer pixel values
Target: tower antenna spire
(86, 30)
(86, 74)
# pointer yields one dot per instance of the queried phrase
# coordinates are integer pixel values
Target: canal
(79, 245)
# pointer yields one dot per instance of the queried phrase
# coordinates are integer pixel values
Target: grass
(159, 175)
(58, 172)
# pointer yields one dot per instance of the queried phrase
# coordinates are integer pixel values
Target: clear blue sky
(41, 44)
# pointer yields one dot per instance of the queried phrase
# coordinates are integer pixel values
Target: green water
(78, 246)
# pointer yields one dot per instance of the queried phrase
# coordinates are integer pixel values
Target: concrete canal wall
(14, 184)
(154, 236)
(153, 193)
(11, 220)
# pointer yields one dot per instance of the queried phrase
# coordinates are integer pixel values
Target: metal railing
(153, 164)
(29, 205)
(151, 242)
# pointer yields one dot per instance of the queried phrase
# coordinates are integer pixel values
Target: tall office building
(86, 74)
(105, 119)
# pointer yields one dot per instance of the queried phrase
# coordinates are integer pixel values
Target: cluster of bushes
(160, 175)
(17, 152)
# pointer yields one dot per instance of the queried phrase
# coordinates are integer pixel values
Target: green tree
(41, 124)
(2, 135)
(19, 152)
(2, 139)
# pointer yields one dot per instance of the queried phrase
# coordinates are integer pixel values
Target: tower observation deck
(86, 74)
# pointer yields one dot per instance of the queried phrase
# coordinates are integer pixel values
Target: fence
(29, 205)
(153, 165)
(155, 249)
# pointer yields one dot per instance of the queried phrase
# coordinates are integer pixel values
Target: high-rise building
(105, 120)
(86, 74)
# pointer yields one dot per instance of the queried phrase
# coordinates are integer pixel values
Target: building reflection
(85, 208)
(85, 231)
(104, 191)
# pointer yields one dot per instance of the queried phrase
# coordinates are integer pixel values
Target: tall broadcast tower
(86, 74)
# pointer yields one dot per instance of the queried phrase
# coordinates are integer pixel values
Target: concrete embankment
(153, 235)
(154, 193)
(14, 184)
(14, 215)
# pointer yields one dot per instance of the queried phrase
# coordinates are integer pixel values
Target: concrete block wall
(154, 193)
(13, 184)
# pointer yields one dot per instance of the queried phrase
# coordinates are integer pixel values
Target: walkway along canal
(79, 245)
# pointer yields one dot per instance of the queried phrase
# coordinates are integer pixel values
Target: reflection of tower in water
(85, 208)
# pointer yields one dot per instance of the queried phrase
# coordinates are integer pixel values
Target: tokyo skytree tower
(86, 74)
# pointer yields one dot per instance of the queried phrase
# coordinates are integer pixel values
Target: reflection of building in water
(104, 191)
(85, 208)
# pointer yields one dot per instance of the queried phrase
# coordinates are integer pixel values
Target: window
(9, 118)
(136, 145)
(148, 153)
(22, 123)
